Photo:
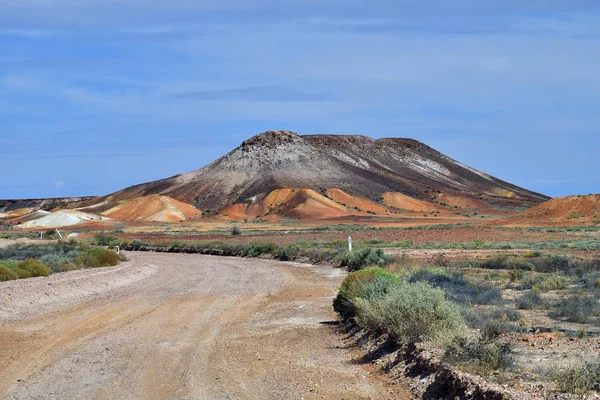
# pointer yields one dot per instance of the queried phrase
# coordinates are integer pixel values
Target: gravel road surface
(180, 326)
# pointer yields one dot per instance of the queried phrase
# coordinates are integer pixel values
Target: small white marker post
(41, 235)
(117, 249)
(349, 243)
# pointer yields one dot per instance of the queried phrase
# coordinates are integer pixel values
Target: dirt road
(178, 326)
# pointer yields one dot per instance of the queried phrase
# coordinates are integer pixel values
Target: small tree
(236, 231)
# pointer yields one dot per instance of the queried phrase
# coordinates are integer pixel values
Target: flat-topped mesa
(270, 139)
(357, 165)
(329, 139)
(403, 142)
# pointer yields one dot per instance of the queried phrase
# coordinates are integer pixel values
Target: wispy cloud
(107, 79)
(256, 93)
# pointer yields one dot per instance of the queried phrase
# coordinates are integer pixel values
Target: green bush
(7, 274)
(412, 312)
(97, 257)
(551, 282)
(256, 249)
(578, 379)
(236, 231)
(531, 300)
(554, 263)
(578, 309)
(506, 262)
(58, 263)
(362, 257)
(288, 252)
(485, 354)
(515, 275)
(457, 287)
(102, 239)
(32, 268)
(366, 284)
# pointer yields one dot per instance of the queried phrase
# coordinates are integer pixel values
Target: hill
(360, 174)
(570, 210)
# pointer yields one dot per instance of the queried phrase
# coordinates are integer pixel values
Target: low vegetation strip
(26, 261)
(483, 318)
(333, 253)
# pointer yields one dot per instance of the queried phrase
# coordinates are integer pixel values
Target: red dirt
(295, 203)
(403, 202)
(356, 202)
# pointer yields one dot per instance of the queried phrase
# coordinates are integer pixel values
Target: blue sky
(97, 95)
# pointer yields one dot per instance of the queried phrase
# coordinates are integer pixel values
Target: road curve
(179, 326)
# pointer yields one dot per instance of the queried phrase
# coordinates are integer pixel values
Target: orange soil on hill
(571, 210)
(294, 203)
(19, 212)
(462, 202)
(404, 202)
(152, 208)
(356, 202)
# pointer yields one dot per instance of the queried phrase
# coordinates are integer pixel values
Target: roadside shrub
(33, 268)
(50, 234)
(531, 300)
(97, 257)
(366, 284)
(491, 319)
(485, 354)
(57, 263)
(412, 312)
(288, 252)
(578, 379)
(317, 255)
(7, 274)
(457, 287)
(236, 231)
(136, 244)
(256, 249)
(362, 257)
(576, 309)
(105, 240)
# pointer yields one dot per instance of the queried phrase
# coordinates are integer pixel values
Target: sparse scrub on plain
(578, 379)
(531, 300)
(577, 308)
(457, 287)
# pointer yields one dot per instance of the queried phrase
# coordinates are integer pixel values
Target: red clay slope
(567, 211)
(152, 208)
(298, 203)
